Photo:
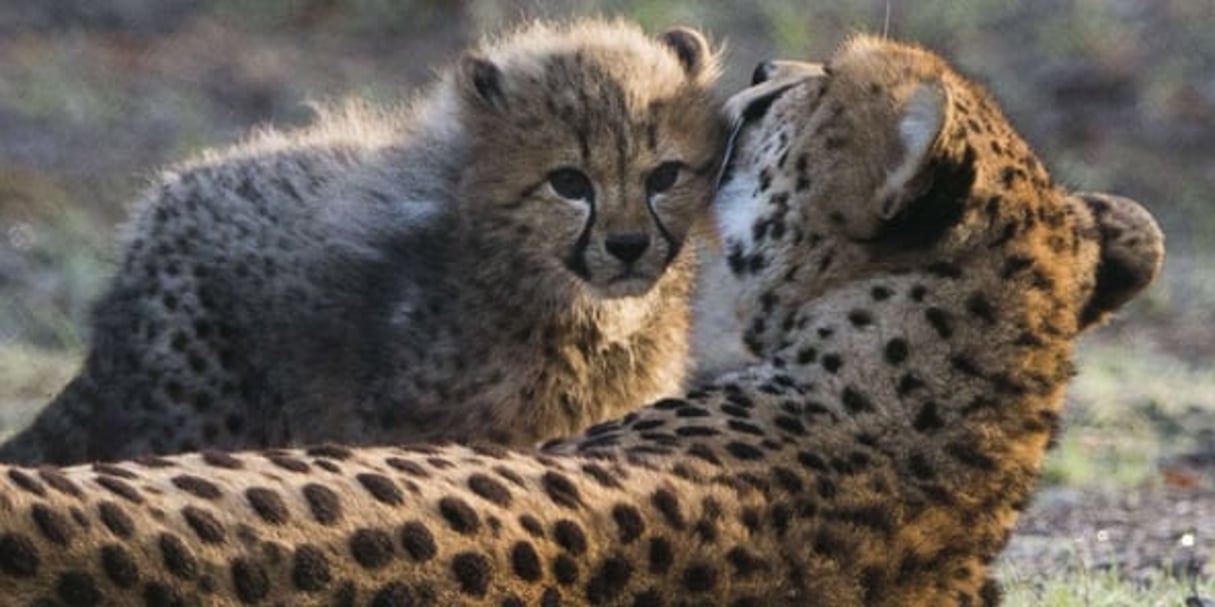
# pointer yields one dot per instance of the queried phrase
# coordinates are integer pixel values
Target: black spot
(832, 362)
(337, 452)
(1014, 265)
(700, 578)
(77, 589)
(855, 401)
(908, 383)
(744, 451)
(119, 566)
(418, 542)
(969, 454)
(744, 563)
(59, 482)
(268, 505)
(204, 524)
(157, 594)
(965, 365)
(928, 419)
(860, 318)
(220, 459)
(525, 561)
(54, 526)
(945, 269)
(26, 482)
(396, 594)
(250, 579)
(288, 463)
(662, 556)
(371, 548)
(18, 556)
(409, 467)
(609, 580)
(790, 424)
(310, 569)
(177, 557)
(787, 479)
(472, 571)
(561, 490)
(490, 489)
(880, 293)
(197, 486)
(324, 503)
(569, 536)
(648, 598)
(735, 411)
(382, 488)
(532, 525)
(918, 293)
(896, 351)
(120, 488)
(745, 428)
(629, 523)
(877, 518)
(979, 306)
(565, 569)
(939, 319)
(704, 452)
(459, 515)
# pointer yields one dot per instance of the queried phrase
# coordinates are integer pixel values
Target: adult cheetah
(505, 260)
(915, 283)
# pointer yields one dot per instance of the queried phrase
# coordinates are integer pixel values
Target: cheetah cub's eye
(662, 178)
(571, 184)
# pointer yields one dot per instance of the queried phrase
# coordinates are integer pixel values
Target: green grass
(1129, 407)
(1086, 588)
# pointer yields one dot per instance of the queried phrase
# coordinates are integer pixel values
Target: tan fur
(879, 455)
(415, 265)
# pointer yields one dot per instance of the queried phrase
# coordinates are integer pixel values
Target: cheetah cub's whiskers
(509, 259)
(917, 344)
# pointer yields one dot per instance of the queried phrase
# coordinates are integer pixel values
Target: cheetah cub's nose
(627, 247)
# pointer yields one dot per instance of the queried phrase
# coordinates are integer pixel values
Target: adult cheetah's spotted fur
(917, 347)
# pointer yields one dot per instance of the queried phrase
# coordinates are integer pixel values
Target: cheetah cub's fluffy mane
(914, 282)
(503, 260)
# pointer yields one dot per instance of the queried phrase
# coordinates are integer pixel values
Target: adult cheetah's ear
(482, 81)
(921, 120)
(1132, 252)
(693, 51)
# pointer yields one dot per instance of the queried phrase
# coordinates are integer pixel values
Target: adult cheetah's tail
(59, 435)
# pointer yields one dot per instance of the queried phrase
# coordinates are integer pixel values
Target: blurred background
(1115, 95)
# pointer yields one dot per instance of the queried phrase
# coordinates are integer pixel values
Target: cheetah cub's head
(593, 148)
(885, 161)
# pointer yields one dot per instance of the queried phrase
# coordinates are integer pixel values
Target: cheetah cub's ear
(920, 122)
(693, 51)
(485, 79)
(1132, 252)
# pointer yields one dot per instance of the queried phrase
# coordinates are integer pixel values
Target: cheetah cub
(508, 260)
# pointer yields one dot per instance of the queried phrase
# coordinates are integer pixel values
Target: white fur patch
(736, 208)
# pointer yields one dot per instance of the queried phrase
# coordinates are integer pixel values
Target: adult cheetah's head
(886, 161)
(594, 147)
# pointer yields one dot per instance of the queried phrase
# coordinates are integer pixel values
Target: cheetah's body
(415, 265)
(914, 373)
